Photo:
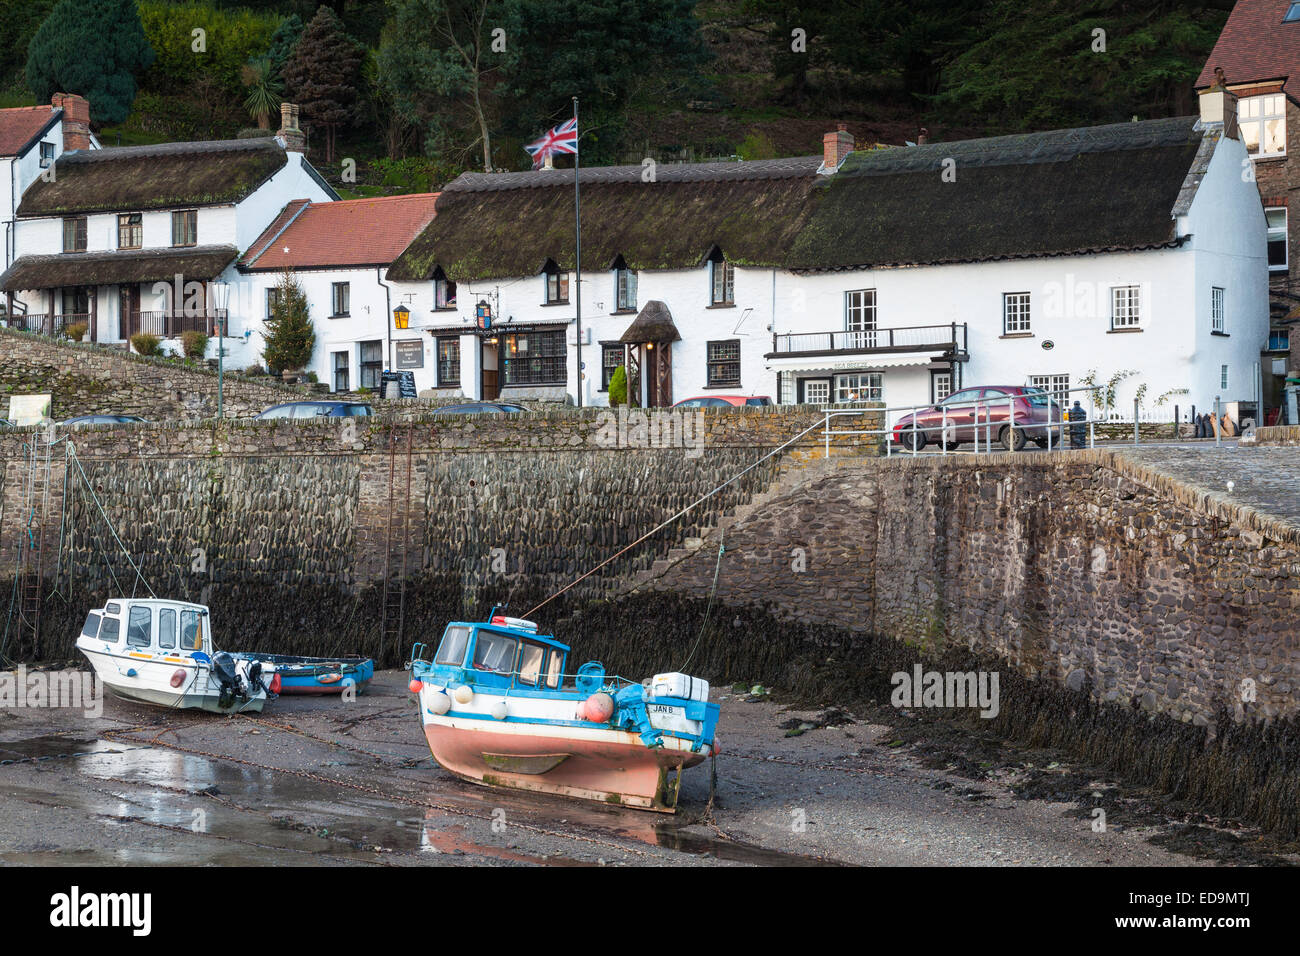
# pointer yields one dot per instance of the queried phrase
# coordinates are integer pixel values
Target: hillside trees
(324, 76)
(92, 47)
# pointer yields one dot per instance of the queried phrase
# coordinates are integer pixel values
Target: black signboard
(405, 383)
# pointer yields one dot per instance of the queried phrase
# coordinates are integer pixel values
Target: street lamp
(401, 317)
(221, 296)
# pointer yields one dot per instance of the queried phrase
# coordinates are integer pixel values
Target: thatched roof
(132, 178)
(510, 224)
(104, 268)
(1065, 192)
(654, 323)
(1107, 188)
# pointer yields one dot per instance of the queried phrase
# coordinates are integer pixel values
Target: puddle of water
(54, 745)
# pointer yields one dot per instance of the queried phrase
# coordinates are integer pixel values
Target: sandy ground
(319, 781)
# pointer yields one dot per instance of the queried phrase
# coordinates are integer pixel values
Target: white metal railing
(982, 423)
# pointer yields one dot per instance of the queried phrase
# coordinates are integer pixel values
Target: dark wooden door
(129, 299)
(659, 375)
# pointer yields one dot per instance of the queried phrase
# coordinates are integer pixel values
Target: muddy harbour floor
(321, 781)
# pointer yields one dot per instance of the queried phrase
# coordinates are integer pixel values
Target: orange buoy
(275, 684)
(416, 685)
(597, 708)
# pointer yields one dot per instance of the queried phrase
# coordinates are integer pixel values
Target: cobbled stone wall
(86, 379)
(1089, 569)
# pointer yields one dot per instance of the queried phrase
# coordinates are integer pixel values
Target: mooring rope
(663, 524)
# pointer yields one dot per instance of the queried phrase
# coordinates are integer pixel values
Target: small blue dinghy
(318, 675)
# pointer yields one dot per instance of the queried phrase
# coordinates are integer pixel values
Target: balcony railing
(46, 323)
(950, 338)
(169, 325)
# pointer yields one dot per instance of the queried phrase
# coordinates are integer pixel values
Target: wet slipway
(316, 781)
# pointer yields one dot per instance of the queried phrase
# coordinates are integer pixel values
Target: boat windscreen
(91, 627)
(452, 649)
(191, 631)
(494, 652)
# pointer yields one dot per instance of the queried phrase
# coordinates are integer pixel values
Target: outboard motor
(255, 681)
(223, 669)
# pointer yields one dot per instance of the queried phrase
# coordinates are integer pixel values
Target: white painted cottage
(339, 253)
(131, 239)
(895, 274)
(31, 139)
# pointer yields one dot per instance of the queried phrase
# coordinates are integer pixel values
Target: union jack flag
(562, 139)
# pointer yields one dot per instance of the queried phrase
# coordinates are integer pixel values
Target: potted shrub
(76, 331)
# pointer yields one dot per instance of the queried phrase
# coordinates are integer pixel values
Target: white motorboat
(160, 652)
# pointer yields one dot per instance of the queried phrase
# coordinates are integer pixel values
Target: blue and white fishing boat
(496, 710)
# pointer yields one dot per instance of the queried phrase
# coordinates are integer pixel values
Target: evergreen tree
(290, 338)
(94, 48)
(285, 40)
(323, 76)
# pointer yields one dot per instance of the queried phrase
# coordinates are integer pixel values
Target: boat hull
(146, 679)
(318, 675)
(606, 765)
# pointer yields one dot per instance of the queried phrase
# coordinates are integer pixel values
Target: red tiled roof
(350, 232)
(1255, 45)
(18, 126)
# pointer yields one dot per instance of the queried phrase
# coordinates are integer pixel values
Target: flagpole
(577, 232)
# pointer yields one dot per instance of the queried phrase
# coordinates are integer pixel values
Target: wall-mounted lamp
(401, 317)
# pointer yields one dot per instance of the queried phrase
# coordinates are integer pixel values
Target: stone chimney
(835, 146)
(289, 134)
(1219, 105)
(76, 120)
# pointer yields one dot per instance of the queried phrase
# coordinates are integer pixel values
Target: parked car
(323, 409)
(724, 401)
(480, 408)
(984, 409)
(103, 420)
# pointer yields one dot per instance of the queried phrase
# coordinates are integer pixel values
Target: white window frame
(860, 316)
(1217, 299)
(1284, 233)
(1254, 114)
(624, 290)
(823, 387)
(1126, 307)
(937, 392)
(441, 299)
(1223, 377)
(854, 387)
(1052, 384)
(1016, 314)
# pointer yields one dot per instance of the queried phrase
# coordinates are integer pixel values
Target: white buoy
(499, 710)
(463, 694)
(439, 703)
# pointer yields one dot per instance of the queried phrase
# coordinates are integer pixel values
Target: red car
(723, 401)
(986, 409)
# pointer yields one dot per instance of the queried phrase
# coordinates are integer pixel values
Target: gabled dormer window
(444, 291)
(557, 285)
(722, 277)
(624, 287)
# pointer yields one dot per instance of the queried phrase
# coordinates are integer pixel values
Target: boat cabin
(506, 652)
(151, 626)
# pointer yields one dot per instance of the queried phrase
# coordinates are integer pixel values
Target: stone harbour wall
(288, 530)
(1085, 568)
